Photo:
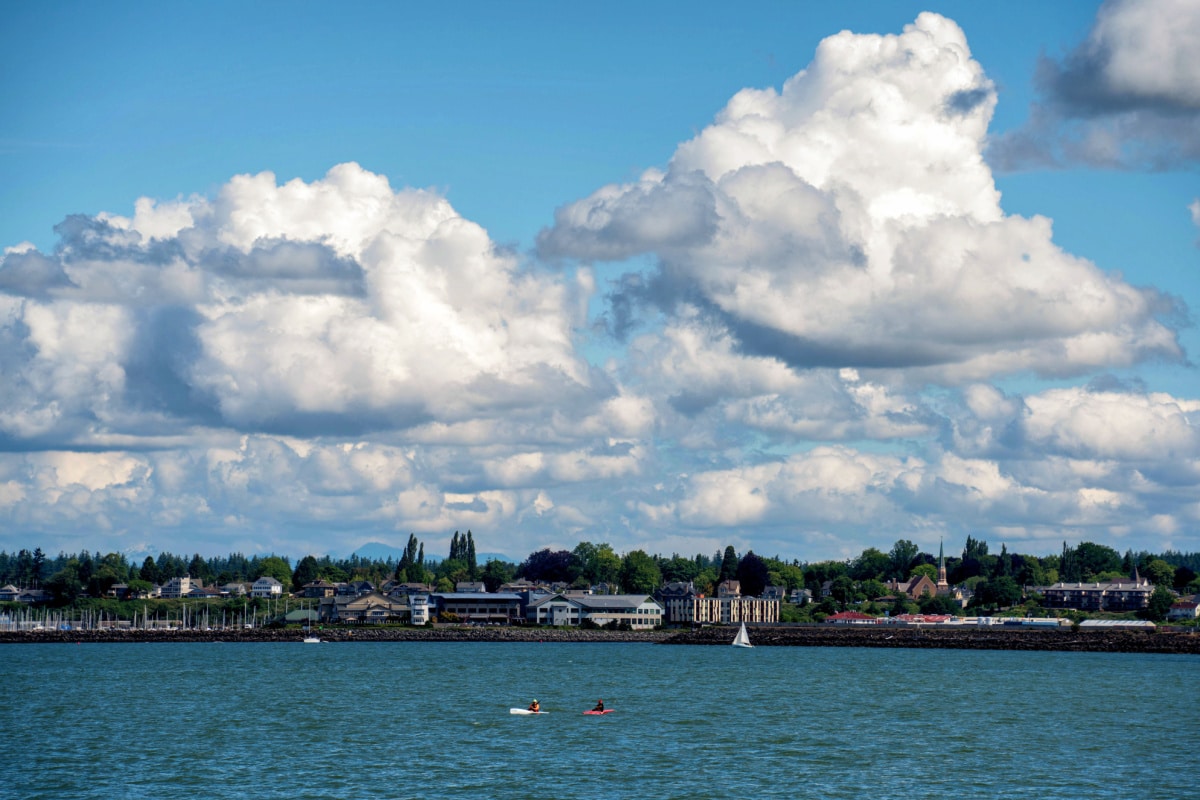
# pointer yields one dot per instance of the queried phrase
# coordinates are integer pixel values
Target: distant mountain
(382, 552)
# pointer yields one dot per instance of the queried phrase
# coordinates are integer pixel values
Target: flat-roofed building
(1119, 595)
(479, 607)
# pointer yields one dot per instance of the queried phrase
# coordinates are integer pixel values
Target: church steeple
(942, 583)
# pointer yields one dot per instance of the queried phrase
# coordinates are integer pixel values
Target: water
(430, 720)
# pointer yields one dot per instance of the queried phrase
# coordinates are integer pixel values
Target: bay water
(431, 720)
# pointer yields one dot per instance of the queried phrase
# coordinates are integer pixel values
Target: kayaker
(599, 706)
(534, 707)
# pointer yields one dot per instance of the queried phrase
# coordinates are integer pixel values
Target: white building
(266, 586)
(640, 611)
(176, 588)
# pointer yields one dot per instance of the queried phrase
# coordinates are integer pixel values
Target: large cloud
(1129, 95)
(327, 307)
(849, 220)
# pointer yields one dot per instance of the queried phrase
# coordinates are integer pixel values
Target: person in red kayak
(599, 706)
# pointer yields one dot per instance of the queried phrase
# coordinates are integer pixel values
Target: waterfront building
(677, 600)
(1124, 594)
(682, 605)
(555, 609)
(640, 611)
(478, 607)
(418, 607)
(371, 608)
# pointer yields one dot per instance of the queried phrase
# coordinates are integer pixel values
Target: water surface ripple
(430, 721)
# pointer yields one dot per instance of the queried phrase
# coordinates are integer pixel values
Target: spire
(942, 583)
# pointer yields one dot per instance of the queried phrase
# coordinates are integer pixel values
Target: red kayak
(599, 713)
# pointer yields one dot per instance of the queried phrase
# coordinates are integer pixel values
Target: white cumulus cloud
(857, 225)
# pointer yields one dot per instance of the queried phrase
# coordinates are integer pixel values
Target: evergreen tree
(24, 569)
(1004, 565)
(729, 565)
(37, 565)
(149, 571)
(752, 574)
(306, 572)
(472, 567)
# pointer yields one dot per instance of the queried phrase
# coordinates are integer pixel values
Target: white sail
(742, 639)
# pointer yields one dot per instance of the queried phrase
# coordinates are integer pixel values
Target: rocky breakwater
(359, 634)
(1113, 641)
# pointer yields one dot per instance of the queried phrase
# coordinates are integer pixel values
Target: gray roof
(475, 596)
(613, 602)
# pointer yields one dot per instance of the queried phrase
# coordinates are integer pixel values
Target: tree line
(996, 580)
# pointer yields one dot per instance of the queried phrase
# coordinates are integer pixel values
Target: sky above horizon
(798, 278)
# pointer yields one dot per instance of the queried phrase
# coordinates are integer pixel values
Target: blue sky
(830, 316)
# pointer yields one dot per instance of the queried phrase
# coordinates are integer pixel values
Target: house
(266, 586)
(463, 587)
(355, 588)
(317, 589)
(1124, 594)
(1184, 609)
(478, 607)
(176, 588)
(236, 589)
(774, 593)
(9, 593)
(800, 596)
(409, 589)
(372, 608)
(519, 585)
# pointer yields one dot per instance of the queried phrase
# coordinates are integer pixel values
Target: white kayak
(526, 711)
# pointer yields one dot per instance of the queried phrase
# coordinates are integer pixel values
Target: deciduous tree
(640, 573)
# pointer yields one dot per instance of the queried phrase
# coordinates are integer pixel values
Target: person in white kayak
(534, 707)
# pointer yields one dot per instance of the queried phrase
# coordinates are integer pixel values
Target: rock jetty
(1109, 641)
(359, 634)
(1065, 639)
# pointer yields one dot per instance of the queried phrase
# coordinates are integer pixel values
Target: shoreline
(1110, 641)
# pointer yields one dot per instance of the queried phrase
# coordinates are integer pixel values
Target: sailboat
(309, 636)
(742, 639)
